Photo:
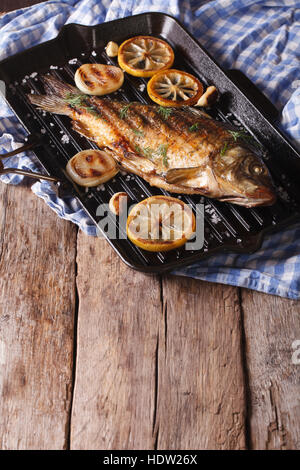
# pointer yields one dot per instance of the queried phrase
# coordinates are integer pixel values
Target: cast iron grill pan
(228, 227)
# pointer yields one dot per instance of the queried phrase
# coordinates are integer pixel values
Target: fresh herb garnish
(165, 112)
(162, 150)
(74, 99)
(147, 151)
(194, 127)
(138, 132)
(150, 153)
(246, 137)
(124, 111)
(80, 101)
(223, 150)
(92, 110)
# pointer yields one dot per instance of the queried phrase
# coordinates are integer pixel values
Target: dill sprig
(80, 101)
(246, 137)
(223, 150)
(124, 111)
(92, 110)
(75, 99)
(194, 127)
(138, 132)
(162, 151)
(150, 153)
(165, 112)
(138, 148)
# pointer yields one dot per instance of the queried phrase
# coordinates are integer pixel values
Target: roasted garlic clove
(208, 98)
(112, 49)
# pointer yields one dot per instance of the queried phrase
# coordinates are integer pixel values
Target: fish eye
(257, 169)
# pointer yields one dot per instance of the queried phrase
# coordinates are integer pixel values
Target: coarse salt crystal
(65, 139)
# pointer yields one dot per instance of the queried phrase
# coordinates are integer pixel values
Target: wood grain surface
(168, 363)
(201, 397)
(37, 305)
(271, 326)
(118, 317)
(96, 356)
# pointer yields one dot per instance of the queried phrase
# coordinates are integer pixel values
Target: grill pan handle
(256, 96)
(31, 142)
(61, 187)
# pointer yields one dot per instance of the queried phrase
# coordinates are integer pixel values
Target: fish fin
(52, 104)
(54, 100)
(178, 175)
(54, 86)
(82, 130)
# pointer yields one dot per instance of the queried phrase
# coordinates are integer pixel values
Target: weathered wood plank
(201, 402)
(271, 326)
(119, 310)
(155, 367)
(37, 302)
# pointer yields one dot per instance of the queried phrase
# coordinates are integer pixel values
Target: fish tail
(57, 87)
(52, 104)
(55, 99)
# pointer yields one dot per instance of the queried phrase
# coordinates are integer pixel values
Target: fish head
(243, 178)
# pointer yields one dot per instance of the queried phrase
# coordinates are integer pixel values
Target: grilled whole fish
(180, 150)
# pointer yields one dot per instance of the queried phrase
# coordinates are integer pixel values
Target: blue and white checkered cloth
(261, 38)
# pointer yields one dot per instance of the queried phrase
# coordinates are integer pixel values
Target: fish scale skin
(184, 148)
(177, 150)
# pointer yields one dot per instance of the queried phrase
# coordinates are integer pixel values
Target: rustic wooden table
(96, 356)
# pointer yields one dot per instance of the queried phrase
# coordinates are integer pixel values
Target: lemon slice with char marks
(160, 223)
(174, 88)
(143, 56)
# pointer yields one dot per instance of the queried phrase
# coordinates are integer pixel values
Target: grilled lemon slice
(160, 223)
(174, 88)
(143, 56)
(98, 79)
(91, 168)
